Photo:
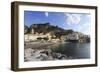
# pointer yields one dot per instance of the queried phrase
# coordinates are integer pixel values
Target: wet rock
(56, 55)
(43, 55)
(28, 52)
(50, 58)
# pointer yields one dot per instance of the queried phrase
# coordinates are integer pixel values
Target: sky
(76, 21)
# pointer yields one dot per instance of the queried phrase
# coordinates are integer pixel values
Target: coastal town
(39, 39)
(55, 36)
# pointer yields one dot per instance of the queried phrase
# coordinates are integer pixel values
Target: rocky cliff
(57, 31)
(46, 28)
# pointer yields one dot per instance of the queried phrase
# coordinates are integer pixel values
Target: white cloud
(87, 24)
(46, 14)
(89, 16)
(73, 18)
(85, 28)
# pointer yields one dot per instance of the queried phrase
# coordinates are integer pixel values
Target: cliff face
(46, 28)
(57, 31)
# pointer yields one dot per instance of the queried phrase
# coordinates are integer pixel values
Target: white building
(33, 37)
(73, 36)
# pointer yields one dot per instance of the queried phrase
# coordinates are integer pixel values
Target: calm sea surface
(76, 50)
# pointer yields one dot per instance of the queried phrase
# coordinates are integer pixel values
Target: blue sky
(77, 21)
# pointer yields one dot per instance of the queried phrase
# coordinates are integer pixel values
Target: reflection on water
(76, 50)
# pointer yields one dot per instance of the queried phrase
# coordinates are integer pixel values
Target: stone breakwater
(43, 55)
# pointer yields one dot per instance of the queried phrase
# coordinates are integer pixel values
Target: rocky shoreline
(31, 54)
